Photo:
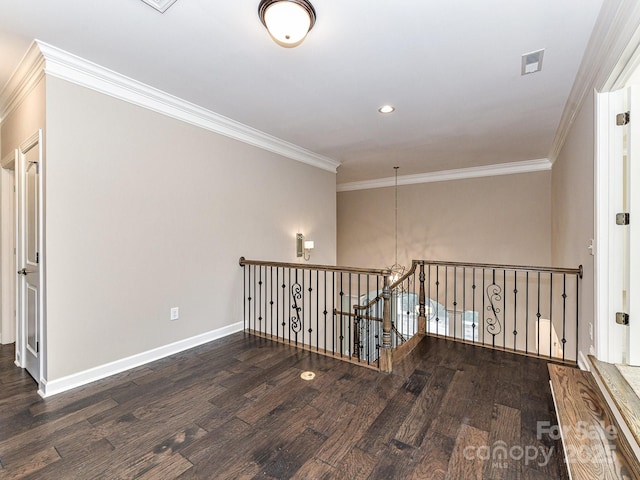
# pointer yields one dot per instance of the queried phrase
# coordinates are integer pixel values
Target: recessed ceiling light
(386, 109)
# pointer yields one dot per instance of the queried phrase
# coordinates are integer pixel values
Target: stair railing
(309, 306)
(362, 316)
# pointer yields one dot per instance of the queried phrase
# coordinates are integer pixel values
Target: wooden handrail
(392, 286)
(571, 271)
(309, 266)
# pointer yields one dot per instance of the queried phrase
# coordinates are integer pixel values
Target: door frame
(609, 263)
(34, 140)
(8, 319)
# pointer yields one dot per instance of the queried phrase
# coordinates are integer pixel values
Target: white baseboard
(79, 379)
(583, 362)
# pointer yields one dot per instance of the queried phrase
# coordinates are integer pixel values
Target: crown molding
(26, 76)
(66, 66)
(612, 43)
(511, 168)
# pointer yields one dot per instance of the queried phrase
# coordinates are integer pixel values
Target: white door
(618, 242)
(28, 231)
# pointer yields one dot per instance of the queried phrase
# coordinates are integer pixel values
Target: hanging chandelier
(397, 270)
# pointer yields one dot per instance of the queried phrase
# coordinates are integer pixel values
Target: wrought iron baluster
(526, 317)
(284, 300)
(259, 302)
(464, 303)
(295, 323)
(431, 314)
(484, 275)
(473, 306)
(550, 315)
(455, 300)
(515, 309)
(324, 313)
(317, 310)
(271, 302)
(290, 306)
(341, 316)
(378, 326)
(422, 313)
(564, 313)
(357, 341)
(504, 308)
(309, 309)
(333, 303)
(276, 286)
(415, 317)
(368, 324)
(578, 276)
(538, 315)
(254, 296)
(438, 300)
(447, 324)
(494, 295)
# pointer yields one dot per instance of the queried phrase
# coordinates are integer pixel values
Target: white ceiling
(450, 67)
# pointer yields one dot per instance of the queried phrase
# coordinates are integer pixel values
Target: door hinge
(623, 119)
(622, 318)
(37, 257)
(622, 219)
(37, 347)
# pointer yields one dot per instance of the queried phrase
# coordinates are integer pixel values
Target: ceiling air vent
(532, 62)
(160, 5)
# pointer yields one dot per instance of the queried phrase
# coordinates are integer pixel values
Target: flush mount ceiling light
(287, 21)
(532, 62)
(387, 109)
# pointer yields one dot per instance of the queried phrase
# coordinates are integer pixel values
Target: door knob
(24, 271)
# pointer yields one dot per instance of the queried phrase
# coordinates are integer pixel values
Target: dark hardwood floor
(237, 408)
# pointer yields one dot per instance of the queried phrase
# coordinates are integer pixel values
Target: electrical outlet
(175, 313)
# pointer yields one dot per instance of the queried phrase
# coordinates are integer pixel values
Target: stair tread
(623, 395)
(594, 446)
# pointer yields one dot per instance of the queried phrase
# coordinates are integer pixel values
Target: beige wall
(572, 214)
(502, 219)
(145, 213)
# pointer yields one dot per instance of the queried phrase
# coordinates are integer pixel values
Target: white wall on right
(572, 210)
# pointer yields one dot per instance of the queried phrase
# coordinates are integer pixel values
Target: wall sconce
(303, 248)
(308, 246)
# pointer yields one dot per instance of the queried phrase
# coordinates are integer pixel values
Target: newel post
(386, 352)
(422, 317)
